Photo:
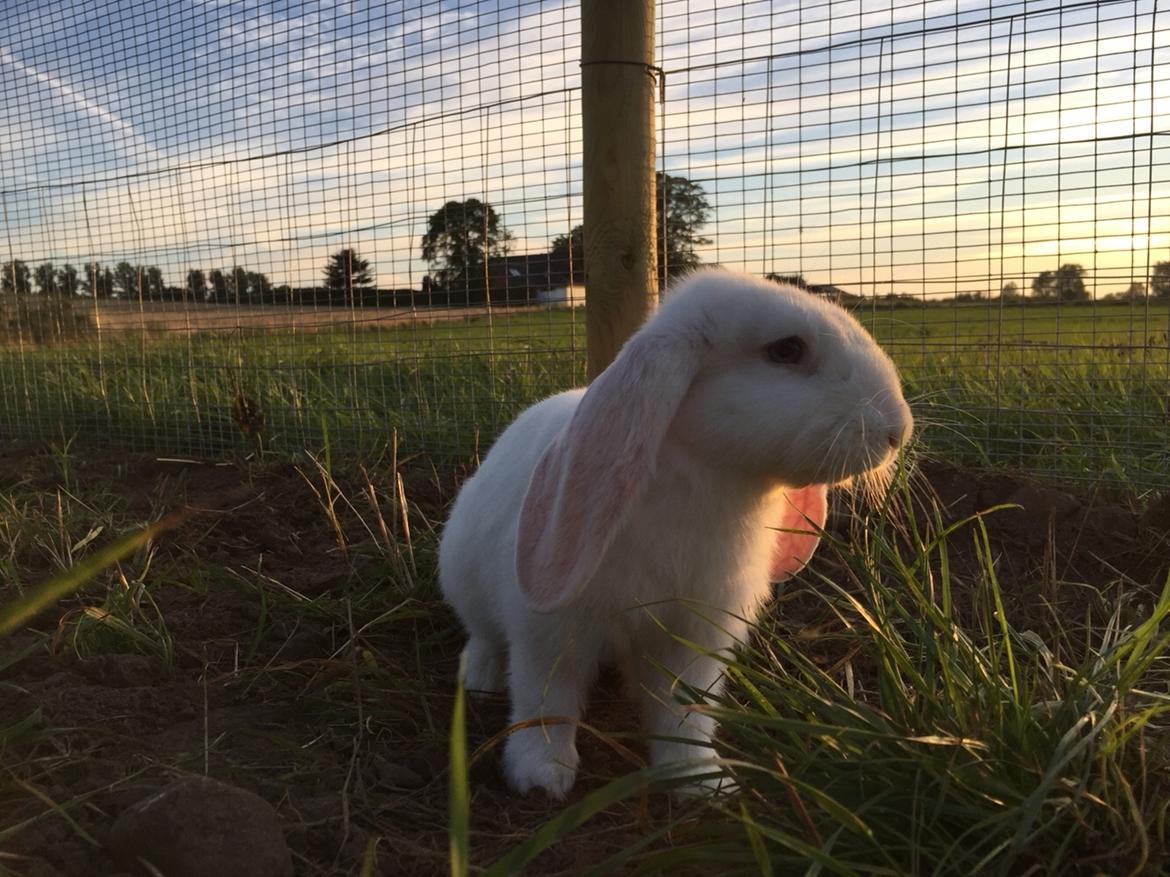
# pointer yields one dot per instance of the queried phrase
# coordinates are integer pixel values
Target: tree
(461, 236)
(1010, 292)
(1044, 285)
(196, 285)
(683, 209)
(46, 277)
(1067, 283)
(126, 279)
(238, 285)
(219, 285)
(567, 256)
(259, 287)
(1134, 292)
(1070, 283)
(347, 273)
(1160, 281)
(156, 289)
(16, 278)
(98, 282)
(68, 283)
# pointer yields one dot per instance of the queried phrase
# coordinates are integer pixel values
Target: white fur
(607, 525)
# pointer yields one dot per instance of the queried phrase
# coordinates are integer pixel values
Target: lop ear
(799, 529)
(598, 466)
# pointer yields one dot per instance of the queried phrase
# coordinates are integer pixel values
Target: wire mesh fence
(987, 185)
(273, 224)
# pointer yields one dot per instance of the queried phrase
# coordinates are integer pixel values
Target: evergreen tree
(347, 275)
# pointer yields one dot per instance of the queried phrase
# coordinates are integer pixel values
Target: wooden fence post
(618, 89)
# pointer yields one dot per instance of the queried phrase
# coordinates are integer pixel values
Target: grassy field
(947, 690)
(1076, 391)
(1080, 392)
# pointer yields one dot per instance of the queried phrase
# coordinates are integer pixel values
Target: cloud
(861, 148)
(903, 141)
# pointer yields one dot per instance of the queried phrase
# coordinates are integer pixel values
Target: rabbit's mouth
(862, 446)
(872, 468)
(873, 483)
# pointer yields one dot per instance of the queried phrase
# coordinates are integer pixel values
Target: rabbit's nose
(899, 432)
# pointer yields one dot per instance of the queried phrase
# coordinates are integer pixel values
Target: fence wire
(986, 185)
(231, 201)
(249, 225)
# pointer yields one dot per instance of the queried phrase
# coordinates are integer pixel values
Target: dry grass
(176, 318)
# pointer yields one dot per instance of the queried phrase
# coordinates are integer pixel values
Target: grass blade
(460, 799)
(22, 609)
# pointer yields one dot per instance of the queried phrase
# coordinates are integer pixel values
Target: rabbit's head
(765, 383)
(789, 388)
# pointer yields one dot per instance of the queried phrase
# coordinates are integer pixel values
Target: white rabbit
(607, 524)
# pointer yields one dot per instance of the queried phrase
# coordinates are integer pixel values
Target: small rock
(123, 797)
(196, 827)
(1037, 508)
(395, 775)
(301, 645)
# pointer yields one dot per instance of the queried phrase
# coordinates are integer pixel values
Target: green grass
(436, 386)
(1081, 391)
(901, 711)
(1077, 391)
(913, 736)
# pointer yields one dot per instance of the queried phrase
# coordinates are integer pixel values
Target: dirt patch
(1052, 546)
(162, 319)
(289, 650)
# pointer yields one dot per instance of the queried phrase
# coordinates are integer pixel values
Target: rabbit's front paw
(697, 764)
(706, 786)
(484, 667)
(531, 761)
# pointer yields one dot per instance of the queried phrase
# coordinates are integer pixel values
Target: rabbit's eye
(785, 351)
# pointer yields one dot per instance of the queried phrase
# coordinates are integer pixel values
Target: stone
(198, 826)
(395, 775)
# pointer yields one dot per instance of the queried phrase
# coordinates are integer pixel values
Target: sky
(926, 148)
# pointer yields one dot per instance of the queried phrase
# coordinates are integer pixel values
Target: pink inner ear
(552, 527)
(598, 467)
(805, 510)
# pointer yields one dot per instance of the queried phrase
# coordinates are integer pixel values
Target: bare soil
(310, 675)
(177, 318)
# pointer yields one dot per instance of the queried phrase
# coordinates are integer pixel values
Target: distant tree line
(347, 279)
(41, 318)
(466, 245)
(124, 280)
(1065, 284)
(468, 248)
